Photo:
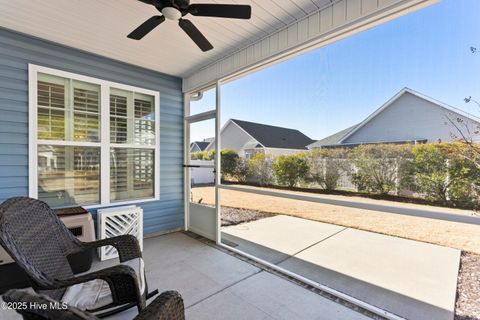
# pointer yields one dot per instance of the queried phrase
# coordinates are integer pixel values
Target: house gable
(234, 137)
(408, 116)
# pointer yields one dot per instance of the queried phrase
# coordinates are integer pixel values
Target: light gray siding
(235, 138)
(17, 51)
(409, 118)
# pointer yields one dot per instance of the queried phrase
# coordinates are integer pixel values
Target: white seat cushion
(96, 293)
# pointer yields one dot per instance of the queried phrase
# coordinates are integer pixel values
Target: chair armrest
(167, 306)
(122, 280)
(127, 246)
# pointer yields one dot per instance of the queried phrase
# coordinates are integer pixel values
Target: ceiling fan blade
(235, 11)
(146, 27)
(195, 34)
(152, 2)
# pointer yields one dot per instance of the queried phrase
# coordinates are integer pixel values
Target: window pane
(131, 174)
(51, 124)
(144, 132)
(67, 109)
(132, 118)
(68, 175)
(51, 99)
(86, 106)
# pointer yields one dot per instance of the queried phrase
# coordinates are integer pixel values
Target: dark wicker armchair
(40, 244)
(167, 306)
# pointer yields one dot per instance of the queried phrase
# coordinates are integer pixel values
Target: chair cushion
(96, 293)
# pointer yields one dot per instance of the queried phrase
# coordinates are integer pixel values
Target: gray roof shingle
(275, 137)
(334, 138)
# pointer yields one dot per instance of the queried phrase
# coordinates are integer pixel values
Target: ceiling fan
(177, 9)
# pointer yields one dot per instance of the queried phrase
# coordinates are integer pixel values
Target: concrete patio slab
(212, 285)
(282, 236)
(413, 279)
(266, 296)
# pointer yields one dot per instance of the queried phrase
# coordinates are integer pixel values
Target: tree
(290, 169)
(465, 132)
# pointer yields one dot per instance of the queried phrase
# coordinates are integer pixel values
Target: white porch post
(218, 173)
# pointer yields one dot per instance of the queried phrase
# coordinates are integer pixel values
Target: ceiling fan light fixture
(171, 13)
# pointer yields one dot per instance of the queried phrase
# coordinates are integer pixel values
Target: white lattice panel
(113, 222)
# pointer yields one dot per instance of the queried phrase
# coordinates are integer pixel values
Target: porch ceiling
(101, 27)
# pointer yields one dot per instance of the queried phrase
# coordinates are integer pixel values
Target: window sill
(120, 203)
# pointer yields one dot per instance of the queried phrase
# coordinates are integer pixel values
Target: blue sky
(336, 86)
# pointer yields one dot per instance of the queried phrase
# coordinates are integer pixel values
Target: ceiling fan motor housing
(171, 13)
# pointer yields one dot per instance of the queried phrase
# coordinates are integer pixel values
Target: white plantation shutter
(132, 173)
(67, 111)
(132, 122)
(51, 111)
(118, 119)
(144, 125)
(86, 114)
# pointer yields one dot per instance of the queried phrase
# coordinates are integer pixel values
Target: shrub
(428, 172)
(326, 167)
(470, 156)
(241, 170)
(203, 155)
(378, 167)
(260, 169)
(290, 169)
(445, 173)
(229, 158)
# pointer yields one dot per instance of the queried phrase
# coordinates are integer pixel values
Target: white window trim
(104, 145)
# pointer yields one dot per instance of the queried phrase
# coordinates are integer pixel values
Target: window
(132, 121)
(92, 142)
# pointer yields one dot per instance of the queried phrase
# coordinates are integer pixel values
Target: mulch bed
(234, 216)
(468, 288)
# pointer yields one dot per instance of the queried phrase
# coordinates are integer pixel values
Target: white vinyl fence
(199, 176)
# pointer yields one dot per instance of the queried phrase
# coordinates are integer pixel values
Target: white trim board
(104, 144)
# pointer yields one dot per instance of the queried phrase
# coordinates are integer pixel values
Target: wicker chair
(40, 244)
(167, 306)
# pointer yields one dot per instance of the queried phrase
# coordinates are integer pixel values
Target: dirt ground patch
(234, 216)
(451, 234)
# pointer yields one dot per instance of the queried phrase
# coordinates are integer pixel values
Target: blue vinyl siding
(18, 50)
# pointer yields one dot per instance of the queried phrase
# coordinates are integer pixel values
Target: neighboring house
(197, 146)
(249, 138)
(408, 117)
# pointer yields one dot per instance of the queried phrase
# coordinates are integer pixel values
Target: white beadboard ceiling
(101, 27)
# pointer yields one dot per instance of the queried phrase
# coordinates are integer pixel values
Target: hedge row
(446, 173)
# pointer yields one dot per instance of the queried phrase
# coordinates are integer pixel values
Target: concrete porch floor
(412, 279)
(216, 285)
